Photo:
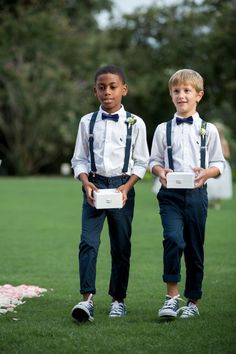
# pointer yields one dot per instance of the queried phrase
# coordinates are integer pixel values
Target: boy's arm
(125, 188)
(140, 153)
(140, 156)
(161, 172)
(79, 161)
(89, 187)
(156, 161)
(216, 159)
(202, 175)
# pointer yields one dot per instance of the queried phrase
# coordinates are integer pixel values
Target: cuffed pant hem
(117, 297)
(171, 278)
(193, 295)
(88, 290)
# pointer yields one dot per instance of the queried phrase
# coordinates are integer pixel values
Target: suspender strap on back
(128, 145)
(169, 146)
(91, 140)
(203, 144)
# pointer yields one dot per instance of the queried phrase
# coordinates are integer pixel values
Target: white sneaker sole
(167, 314)
(81, 313)
(189, 316)
(115, 316)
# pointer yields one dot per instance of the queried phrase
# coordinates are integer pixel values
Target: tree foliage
(43, 73)
(50, 51)
(159, 41)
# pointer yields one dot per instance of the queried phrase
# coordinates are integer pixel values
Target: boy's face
(185, 98)
(109, 89)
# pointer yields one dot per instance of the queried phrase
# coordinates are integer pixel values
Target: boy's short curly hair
(187, 76)
(111, 69)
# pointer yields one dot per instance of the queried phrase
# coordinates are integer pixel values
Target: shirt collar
(120, 111)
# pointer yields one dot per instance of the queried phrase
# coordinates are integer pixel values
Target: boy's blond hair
(187, 76)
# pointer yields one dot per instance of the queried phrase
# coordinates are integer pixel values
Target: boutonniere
(202, 132)
(130, 120)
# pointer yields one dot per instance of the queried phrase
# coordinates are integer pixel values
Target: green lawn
(39, 236)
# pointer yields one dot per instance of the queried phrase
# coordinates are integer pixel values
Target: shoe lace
(90, 306)
(188, 310)
(117, 307)
(172, 301)
(89, 303)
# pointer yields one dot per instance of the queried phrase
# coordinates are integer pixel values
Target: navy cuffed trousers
(183, 215)
(119, 226)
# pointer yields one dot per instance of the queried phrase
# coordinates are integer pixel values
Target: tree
(44, 66)
(153, 43)
(49, 53)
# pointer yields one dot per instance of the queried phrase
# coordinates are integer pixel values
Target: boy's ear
(199, 96)
(125, 90)
(95, 91)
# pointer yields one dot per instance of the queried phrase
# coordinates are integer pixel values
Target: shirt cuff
(79, 170)
(139, 171)
(152, 164)
(219, 165)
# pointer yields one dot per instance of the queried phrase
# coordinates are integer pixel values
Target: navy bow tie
(113, 117)
(188, 120)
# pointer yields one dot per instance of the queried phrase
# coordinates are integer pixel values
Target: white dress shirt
(186, 143)
(109, 146)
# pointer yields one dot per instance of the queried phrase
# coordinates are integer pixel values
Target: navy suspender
(127, 147)
(169, 146)
(91, 140)
(203, 145)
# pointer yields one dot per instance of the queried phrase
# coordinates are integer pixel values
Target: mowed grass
(39, 235)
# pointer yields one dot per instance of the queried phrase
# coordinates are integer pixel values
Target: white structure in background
(65, 169)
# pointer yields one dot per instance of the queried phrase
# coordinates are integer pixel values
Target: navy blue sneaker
(188, 311)
(118, 309)
(170, 307)
(83, 311)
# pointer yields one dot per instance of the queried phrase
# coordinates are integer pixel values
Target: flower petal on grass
(12, 296)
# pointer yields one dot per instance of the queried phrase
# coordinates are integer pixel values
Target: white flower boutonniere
(202, 132)
(131, 120)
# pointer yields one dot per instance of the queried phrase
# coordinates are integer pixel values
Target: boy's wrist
(212, 172)
(158, 170)
(131, 182)
(83, 177)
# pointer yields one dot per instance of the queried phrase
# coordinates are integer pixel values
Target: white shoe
(188, 311)
(118, 309)
(170, 307)
(83, 311)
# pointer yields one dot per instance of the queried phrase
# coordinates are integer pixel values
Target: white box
(180, 180)
(107, 199)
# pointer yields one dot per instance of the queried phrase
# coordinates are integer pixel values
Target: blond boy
(184, 144)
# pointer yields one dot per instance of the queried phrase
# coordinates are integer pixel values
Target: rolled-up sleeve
(79, 161)
(215, 153)
(140, 151)
(158, 149)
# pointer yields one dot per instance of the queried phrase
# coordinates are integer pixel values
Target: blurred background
(50, 50)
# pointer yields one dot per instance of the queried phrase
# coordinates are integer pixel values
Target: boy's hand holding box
(182, 180)
(107, 199)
